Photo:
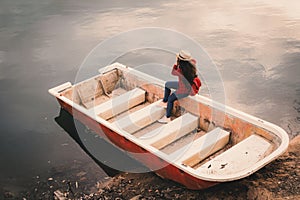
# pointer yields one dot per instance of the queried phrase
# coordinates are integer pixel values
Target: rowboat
(206, 142)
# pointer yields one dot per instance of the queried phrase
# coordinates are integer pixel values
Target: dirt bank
(278, 180)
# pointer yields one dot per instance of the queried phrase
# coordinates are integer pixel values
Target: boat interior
(202, 137)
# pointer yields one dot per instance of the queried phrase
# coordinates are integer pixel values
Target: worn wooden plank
(119, 104)
(170, 132)
(201, 148)
(140, 118)
(181, 142)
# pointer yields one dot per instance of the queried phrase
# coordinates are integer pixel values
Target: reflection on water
(108, 153)
(255, 46)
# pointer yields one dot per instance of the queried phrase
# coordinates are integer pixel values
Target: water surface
(255, 46)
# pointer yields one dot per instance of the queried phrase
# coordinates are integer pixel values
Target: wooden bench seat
(170, 132)
(201, 148)
(239, 157)
(141, 118)
(119, 104)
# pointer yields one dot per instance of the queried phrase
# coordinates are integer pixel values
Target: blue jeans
(173, 97)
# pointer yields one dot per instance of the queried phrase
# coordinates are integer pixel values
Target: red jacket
(182, 89)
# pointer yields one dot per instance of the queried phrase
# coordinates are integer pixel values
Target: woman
(188, 83)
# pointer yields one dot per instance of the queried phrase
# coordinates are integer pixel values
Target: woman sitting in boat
(188, 83)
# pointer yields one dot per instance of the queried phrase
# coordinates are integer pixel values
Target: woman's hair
(189, 72)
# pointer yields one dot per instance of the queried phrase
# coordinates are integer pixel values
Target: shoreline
(278, 180)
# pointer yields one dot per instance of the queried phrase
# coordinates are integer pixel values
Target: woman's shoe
(164, 120)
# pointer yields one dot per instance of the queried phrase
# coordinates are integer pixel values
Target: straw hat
(184, 55)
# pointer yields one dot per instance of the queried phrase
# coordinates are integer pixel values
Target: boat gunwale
(278, 131)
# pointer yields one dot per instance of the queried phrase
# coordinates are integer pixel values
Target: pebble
(137, 197)
(59, 195)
